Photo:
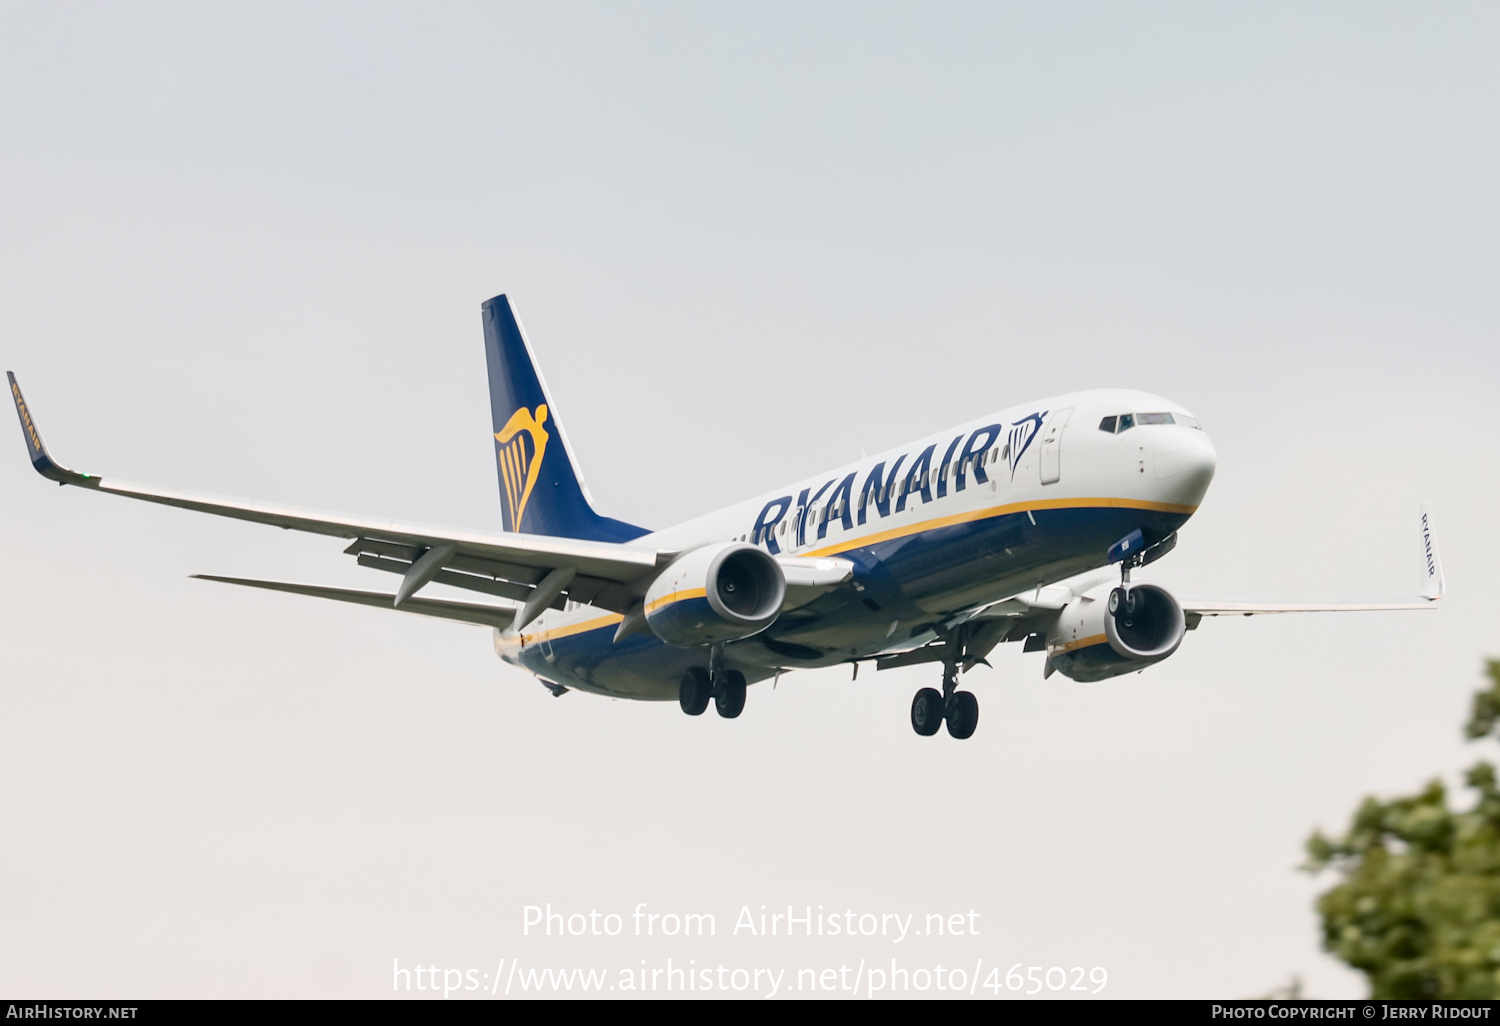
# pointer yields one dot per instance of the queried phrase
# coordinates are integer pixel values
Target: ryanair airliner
(1021, 526)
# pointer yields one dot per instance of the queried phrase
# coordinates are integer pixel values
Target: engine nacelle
(1114, 629)
(717, 593)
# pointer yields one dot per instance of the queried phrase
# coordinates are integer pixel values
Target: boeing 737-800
(1021, 526)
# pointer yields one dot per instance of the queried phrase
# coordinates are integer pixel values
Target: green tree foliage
(1417, 909)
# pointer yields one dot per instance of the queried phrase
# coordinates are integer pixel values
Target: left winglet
(40, 459)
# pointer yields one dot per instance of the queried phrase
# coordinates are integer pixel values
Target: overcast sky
(242, 251)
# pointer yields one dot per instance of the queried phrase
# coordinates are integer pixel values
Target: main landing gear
(959, 709)
(726, 687)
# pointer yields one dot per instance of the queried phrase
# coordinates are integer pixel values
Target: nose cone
(1185, 461)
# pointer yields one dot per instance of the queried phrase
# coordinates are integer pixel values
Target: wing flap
(469, 582)
(1204, 607)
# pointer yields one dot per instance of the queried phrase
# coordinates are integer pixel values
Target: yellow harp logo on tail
(522, 443)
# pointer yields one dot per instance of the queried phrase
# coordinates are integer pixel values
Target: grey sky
(242, 250)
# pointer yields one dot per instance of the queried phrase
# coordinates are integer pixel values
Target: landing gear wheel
(927, 712)
(694, 691)
(1123, 604)
(729, 696)
(962, 714)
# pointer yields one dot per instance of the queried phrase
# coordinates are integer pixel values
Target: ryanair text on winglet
(31, 435)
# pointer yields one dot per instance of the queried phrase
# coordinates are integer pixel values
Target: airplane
(1022, 527)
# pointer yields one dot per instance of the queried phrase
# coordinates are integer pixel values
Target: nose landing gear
(1123, 602)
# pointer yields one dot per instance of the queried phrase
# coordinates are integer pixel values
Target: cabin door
(1051, 457)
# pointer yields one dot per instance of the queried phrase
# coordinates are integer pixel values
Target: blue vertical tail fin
(541, 490)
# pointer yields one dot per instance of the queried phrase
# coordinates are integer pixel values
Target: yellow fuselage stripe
(676, 596)
(568, 630)
(1096, 639)
(999, 511)
(564, 631)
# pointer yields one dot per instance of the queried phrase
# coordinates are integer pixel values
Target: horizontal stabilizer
(463, 612)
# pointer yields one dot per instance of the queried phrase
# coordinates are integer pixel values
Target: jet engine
(1115, 629)
(721, 592)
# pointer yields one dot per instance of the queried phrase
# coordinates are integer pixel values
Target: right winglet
(44, 463)
(1432, 565)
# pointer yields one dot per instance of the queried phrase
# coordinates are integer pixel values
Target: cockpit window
(1126, 421)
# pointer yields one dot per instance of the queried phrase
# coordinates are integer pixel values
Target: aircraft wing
(537, 571)
(1432, 590)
